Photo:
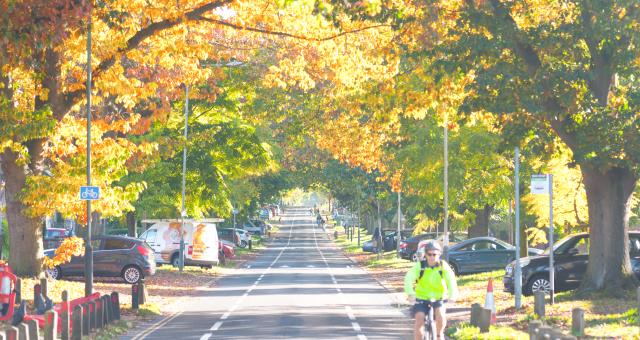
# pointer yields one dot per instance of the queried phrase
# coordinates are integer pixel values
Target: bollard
(99, 314)
(250, 246)
(23, 332)
(335, 234)
(135, 303)
(108, 310)
(533, 329)
(544, 332)
(65, 318)
(538, 308)
(115, 302)
(37, 293)
(12, 333)
(86, 319)
(92, 315)
(484, 322)
(475, 314)
(44, 287)
(18, 291)
(142, 292)
(32, 325)
(50, 325)
(577, 321)
(78, 324)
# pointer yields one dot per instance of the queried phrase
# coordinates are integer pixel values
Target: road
(300, 287)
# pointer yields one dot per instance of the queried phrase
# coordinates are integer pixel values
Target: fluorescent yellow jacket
(432, 285)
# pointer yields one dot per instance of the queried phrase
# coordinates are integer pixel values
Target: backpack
(423, 266)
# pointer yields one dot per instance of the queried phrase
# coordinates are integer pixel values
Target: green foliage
(465, 331)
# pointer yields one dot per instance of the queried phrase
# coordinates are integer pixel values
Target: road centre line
(226, 315)
(206, 336)
(156, 326)
(354, 324)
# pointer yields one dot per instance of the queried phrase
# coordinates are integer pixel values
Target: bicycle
(429, 329)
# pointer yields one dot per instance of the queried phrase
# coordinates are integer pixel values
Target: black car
(389, 240)
(113, 256)
(570, 256)
(409, 246)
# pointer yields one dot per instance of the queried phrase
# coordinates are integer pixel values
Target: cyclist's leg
(441, 320)
(418, 325)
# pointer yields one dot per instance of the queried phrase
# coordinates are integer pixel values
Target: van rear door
(204, 247)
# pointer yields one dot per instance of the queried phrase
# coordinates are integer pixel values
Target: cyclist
(433, 279)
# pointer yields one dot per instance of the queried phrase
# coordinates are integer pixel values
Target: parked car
(230, 235)
(409, 246)
(226, 251)
(479, 254)
(257, 227)
(113, 256)
(389, 240)
(53, 237)
(570, 256)
(200, 238)
(245, 237)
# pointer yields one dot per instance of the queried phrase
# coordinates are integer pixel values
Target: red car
(226, 249)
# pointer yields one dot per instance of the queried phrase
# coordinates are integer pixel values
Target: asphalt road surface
(300, 287)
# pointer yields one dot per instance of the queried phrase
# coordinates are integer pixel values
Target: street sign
(234, 211)
(540, 184)
(89, 193)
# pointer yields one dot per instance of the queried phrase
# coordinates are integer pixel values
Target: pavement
(300, 287)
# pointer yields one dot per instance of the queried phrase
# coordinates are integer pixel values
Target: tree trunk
(131, 224)
(609, 196)
(481, 227)
(26, 249)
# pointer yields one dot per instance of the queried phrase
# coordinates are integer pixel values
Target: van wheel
(175, 260)
(243, 244)
(131, 274)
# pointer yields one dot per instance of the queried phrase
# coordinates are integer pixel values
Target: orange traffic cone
(489, 302)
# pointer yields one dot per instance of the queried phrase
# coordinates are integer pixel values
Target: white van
(200, 238)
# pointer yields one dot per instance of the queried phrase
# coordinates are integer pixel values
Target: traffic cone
(489, 302)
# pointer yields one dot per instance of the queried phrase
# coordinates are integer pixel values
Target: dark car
(481, 254)
(53, 237)
(409, 246)
(389, 243)
(113, 256)
(229, 235)
(570, 256)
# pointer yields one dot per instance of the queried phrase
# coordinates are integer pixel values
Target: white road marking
(156, 326)
(354, 324)
(226, 315)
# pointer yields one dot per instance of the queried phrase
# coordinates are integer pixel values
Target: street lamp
(445, 242)
(183, 212)
(88, 251)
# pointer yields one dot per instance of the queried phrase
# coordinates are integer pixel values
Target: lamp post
(183, 212)
(88, 250)
(398, 238)
(445, 243)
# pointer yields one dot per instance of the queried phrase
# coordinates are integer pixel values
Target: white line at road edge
(226, 315)
(354, 323)
(156, 326)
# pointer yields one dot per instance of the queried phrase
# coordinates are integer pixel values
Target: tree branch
(285, 34)
(133, 42)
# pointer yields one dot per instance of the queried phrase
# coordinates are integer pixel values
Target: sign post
(517, 275)
(541, 185)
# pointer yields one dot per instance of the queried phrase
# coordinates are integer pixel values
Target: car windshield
(558, 244)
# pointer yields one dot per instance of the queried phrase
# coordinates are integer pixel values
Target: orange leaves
(71, 246)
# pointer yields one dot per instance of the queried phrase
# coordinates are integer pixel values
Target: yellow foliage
(71, 246)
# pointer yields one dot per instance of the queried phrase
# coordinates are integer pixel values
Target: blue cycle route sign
(89, 193)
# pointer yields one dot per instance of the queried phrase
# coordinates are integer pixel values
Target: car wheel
(54, 273)
(414, 257)
(243, 244)
(538, 283)
(131, 274)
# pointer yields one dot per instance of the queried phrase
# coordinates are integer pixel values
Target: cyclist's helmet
(432, 245)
